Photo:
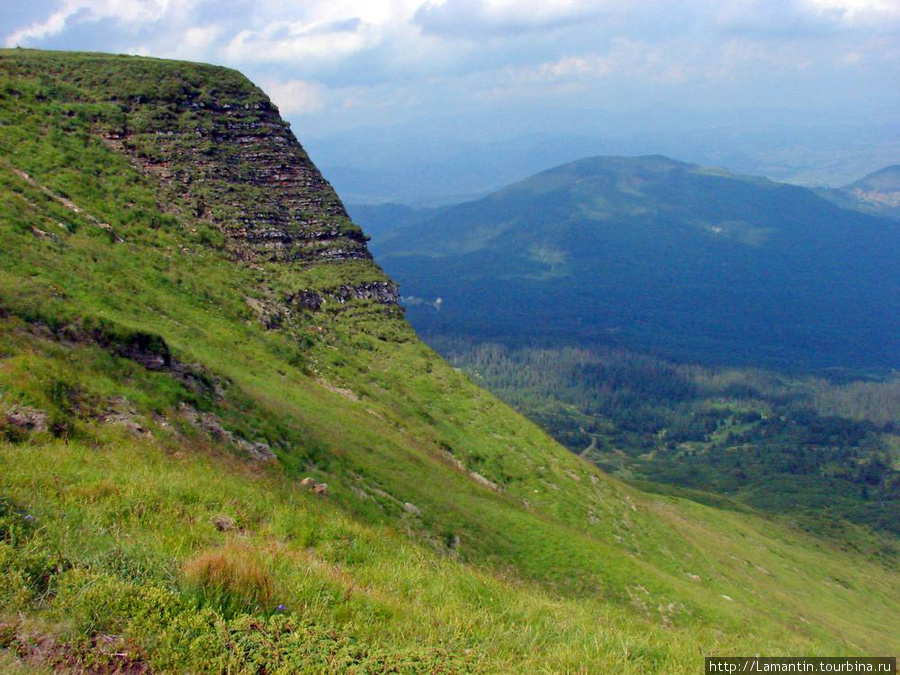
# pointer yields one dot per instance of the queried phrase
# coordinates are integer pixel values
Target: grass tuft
(231, 579)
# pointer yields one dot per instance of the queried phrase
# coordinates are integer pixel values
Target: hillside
(658, 255)
(885, 181)
(820, 451)
(191, 327)
(877, 193)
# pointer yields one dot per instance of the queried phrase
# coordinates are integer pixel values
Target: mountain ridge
(170, 377)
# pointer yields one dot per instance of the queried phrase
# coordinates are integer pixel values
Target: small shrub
(191, 643)
(231, 579)
(94, 602)
(287, 644)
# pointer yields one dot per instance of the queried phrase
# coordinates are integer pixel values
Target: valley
(679, 326)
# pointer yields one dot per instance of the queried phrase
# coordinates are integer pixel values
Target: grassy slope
(877, 193)
(561, 569)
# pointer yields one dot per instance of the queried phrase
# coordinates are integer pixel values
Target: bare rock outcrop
(26, 418)
(312, 485)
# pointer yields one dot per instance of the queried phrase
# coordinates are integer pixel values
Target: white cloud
(626, 58)
(569, 65)
(477, 16)
(295, 41)
(127, 11)
(790, 19)
(53, 25)
(322, 30)
(535, 12)
(858, 9)
(383, 59)
(850, 59)
(296, 96)
(567, 68)
(195, 43)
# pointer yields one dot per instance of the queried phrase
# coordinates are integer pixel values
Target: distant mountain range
(449, 162)
(656, 254)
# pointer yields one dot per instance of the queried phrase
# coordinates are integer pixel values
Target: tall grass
(231, 579)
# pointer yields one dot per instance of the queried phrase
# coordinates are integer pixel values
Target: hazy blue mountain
(886, 180)
(877, 193)
(655, 254)
(423, 171)
(456, 160)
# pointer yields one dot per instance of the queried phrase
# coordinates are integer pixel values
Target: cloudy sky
(510, 66)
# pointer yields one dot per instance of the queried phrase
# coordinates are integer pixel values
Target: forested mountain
(677, 325)
(653, 254)
(824, 451)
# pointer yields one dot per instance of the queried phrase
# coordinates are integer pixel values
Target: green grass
(110, 546)
(133, 518)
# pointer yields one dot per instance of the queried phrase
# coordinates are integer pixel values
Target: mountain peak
(626, 163)
(673, 256)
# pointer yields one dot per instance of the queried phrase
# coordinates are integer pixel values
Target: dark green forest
(581, 295)
(822, 448)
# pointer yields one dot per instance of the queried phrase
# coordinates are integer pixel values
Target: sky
(494, 69)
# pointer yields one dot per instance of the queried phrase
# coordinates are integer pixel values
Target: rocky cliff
(217, 154)
(223, 154)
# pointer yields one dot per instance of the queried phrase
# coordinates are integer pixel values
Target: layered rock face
(241, 166)
(222, 156)
(384, 292)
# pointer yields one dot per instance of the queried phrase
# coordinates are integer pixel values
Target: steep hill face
(223, 448)
(221, 151)
(654, 254)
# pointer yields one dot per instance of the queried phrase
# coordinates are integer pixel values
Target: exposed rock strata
(229, 159)
(274, 313)
(383, 292)
(240, 166)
